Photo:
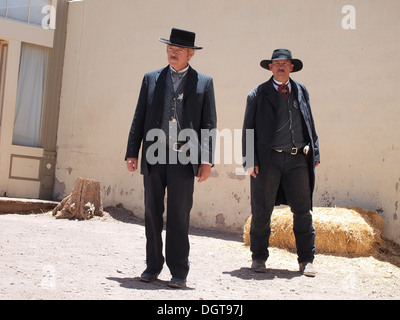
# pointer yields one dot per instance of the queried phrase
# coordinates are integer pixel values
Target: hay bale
(353, 231)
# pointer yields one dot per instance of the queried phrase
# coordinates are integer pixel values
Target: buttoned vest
(289, 129)
(173, 106)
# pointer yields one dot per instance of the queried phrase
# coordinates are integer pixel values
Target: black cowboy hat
(181, 38)
(283, 54)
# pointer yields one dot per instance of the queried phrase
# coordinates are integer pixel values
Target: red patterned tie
(284, 89)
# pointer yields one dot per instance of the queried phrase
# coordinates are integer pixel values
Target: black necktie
(176, 78)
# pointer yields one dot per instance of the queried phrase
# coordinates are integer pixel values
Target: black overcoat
(261, 116)
(199, 113)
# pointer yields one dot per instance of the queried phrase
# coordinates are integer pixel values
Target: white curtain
(28, 110)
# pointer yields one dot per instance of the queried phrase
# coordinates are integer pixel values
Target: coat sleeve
(137, 127)
(249, 153)
(314, 136)
(209, 124)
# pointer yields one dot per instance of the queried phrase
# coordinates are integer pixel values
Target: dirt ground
(45, 258)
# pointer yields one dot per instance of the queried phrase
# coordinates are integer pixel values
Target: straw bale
(353, 231)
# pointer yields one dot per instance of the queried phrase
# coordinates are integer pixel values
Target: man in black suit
(176, 107)
(282, 159)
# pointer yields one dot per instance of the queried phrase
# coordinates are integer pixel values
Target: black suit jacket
(199, 113)
(261, 116)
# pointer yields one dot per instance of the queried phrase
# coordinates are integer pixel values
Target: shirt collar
(278, 83)
(180, 72)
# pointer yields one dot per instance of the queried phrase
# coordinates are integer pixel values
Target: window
(29, 11)
(3, 8)
(28, 109)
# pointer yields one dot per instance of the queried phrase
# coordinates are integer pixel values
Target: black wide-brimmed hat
(181, 38)
(283, 54)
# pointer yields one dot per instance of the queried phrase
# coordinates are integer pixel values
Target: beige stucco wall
(351, 76)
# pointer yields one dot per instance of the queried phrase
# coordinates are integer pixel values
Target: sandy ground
(45, 258)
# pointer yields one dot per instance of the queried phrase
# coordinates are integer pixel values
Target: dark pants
(292, 172)
(178, 179)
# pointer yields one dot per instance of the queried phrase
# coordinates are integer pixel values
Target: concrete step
(19, 205)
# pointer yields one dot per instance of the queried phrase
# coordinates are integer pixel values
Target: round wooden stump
(83, 203)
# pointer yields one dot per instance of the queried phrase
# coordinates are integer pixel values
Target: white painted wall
(352, 77)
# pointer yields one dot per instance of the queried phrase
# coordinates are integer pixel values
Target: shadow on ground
(388, 251)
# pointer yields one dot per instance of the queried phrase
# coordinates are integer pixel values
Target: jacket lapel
(298, 92)
(303, 105)
(159, 91)
(157, 103)
(191, 83)
(190, 89)
(270, 93)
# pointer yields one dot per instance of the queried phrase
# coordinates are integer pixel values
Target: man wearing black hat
(283, 158)
(175, 104)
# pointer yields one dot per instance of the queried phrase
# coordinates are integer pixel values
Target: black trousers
(292, 172)
(178, 179)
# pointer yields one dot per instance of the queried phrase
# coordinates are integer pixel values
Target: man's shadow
(135, 283)
(269, 274)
